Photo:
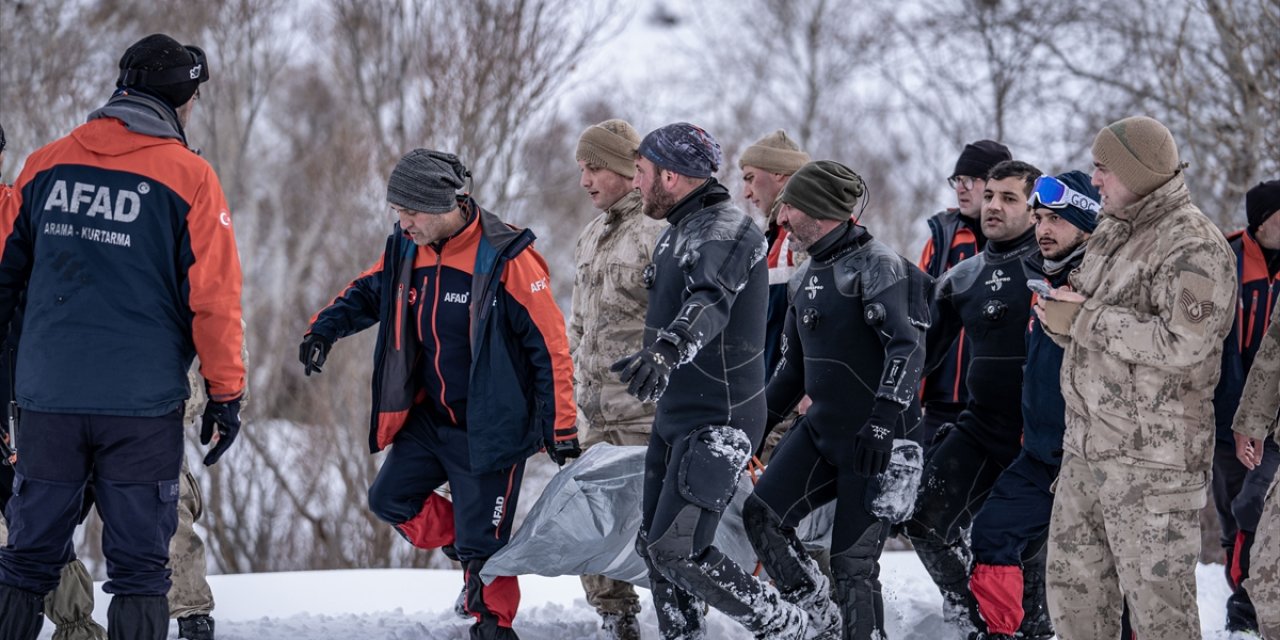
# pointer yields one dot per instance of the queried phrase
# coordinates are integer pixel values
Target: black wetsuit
(987, 297)
(854, 342)
(708, 288)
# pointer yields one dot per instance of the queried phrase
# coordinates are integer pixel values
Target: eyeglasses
(965, 181)
(1055, 194)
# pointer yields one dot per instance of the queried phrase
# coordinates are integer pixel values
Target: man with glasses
(1142, 332)
(472, 372)
(118, 216)
(986, 297)
(954, 235)
(1013, 523)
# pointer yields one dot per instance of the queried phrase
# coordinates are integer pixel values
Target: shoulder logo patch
(1197, 311)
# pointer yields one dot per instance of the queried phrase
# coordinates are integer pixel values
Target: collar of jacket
(1151, 208)
(625, 207)
(709, 194)
(1016, 248)
(142, 114)
(837, 241)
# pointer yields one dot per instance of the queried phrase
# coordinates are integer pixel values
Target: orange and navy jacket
(122, 240)
(783, 264)
(1259, 290)
(468, 329)
(946, 384)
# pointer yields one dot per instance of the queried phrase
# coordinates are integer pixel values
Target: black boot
(798, 576)
(138, 618)
(1036, 624)
(619, 626)
(948, 565)
(21, 614)
(857, 573)
(197, 627)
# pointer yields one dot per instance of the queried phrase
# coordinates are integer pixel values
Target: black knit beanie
(1260, 203)
(427, 181)
(163, 67)
(977, 158)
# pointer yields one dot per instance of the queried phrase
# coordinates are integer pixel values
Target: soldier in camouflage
(1254, 421)
(1143, 335)
(607, 323)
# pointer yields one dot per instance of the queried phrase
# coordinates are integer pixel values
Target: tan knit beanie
(1140, 151)
(775, 153)
(611, 144)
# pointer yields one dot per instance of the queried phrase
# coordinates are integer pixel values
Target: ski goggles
(1053, 193)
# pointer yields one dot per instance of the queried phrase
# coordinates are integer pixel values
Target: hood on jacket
(139, 113)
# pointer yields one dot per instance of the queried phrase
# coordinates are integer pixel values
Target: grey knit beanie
(427, 181)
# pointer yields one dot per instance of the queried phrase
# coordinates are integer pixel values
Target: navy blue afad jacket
(520, 393)
(1258, 293)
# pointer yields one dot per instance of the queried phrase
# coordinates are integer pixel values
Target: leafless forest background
(311, 104)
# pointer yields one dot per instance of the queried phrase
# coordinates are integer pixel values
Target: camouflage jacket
(1260, 402)
(607, 319)
(1145, 350)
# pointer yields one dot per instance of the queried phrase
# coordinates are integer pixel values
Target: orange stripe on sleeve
(215, 285)
(527, 281)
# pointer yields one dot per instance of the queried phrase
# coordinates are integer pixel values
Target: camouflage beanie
(682, 148)
(775, 153)
(1139, 151)
(825, 190)
(610, 145)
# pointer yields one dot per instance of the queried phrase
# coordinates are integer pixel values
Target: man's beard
(658, 201)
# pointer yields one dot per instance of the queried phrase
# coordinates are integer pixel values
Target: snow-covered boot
(21, 614)
(795, 572)
(197, 627)
(948, 565)
(619, 626)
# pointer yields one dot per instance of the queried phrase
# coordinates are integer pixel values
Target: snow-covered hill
(405, 604)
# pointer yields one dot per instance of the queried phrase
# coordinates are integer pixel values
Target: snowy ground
(405, 604)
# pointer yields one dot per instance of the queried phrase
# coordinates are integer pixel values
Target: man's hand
(561, 451)
(648, 370)
(220, 425)
(872, 448)
(1058, 310)
(313, 351)
(1248, 450)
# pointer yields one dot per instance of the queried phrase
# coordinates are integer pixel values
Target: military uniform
(1256, 418)
(607, 320)
(1142, 357)
(605, 324)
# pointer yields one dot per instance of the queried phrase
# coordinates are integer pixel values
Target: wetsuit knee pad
(713, 459)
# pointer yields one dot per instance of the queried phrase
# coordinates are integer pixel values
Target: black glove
(226, 416)
(561, 451)
(873, 446)
(313, 351)
(648, 370)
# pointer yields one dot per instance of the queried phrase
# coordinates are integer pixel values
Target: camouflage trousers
(607, 595)
(70, 606)
(1121, 532)
(1263, 584)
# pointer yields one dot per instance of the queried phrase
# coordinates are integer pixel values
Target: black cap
(163, 67)
(1260, 203)
(977, 158)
